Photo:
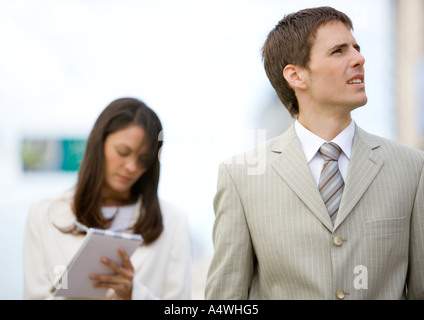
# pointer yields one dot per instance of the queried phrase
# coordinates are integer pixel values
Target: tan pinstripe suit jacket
(273, 238)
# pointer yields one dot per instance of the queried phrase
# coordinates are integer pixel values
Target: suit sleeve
(231, 269)
(415, 285)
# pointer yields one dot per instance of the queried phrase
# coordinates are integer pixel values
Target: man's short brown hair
(290, 42)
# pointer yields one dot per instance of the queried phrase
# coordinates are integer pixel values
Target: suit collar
(365, 163)
(292, 167)
(281, 142)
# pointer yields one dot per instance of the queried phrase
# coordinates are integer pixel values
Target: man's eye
(337, 51)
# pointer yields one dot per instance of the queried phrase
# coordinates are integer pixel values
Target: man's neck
(325, 126)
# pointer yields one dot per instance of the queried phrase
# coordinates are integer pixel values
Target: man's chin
(360, 103)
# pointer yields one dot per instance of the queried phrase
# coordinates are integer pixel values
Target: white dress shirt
(311, 143)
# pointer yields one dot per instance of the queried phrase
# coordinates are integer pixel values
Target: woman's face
(126, 152)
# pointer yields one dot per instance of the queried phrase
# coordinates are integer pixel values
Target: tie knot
(330, 151)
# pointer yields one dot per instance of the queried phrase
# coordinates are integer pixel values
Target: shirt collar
(311, 143)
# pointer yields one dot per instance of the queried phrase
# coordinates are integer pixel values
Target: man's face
(335, 78)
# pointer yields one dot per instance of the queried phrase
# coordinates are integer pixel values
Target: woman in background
(117, 190)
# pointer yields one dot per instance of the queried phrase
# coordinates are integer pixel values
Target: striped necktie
(331, 182)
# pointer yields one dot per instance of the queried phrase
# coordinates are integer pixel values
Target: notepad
(74, 281)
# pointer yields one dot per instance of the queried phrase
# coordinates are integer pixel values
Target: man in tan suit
(275, 235)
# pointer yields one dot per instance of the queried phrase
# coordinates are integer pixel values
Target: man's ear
(294, 75)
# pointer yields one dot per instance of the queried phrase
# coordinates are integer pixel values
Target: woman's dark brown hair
(118, 115)
(290, 42)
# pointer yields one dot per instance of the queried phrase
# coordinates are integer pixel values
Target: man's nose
(358, 60)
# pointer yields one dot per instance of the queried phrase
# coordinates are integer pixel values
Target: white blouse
(162, 269)
(122, 216)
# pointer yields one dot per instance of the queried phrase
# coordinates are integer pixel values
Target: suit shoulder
(391, 147)
(402, 148)
(259, 152)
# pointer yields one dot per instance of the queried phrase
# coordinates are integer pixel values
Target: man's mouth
(355, 81)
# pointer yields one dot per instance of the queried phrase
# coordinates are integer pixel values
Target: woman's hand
(122, 281)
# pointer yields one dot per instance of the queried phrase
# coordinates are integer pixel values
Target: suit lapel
(364, 166)
(293, 168)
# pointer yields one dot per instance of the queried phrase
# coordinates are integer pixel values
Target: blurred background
(198, 65)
